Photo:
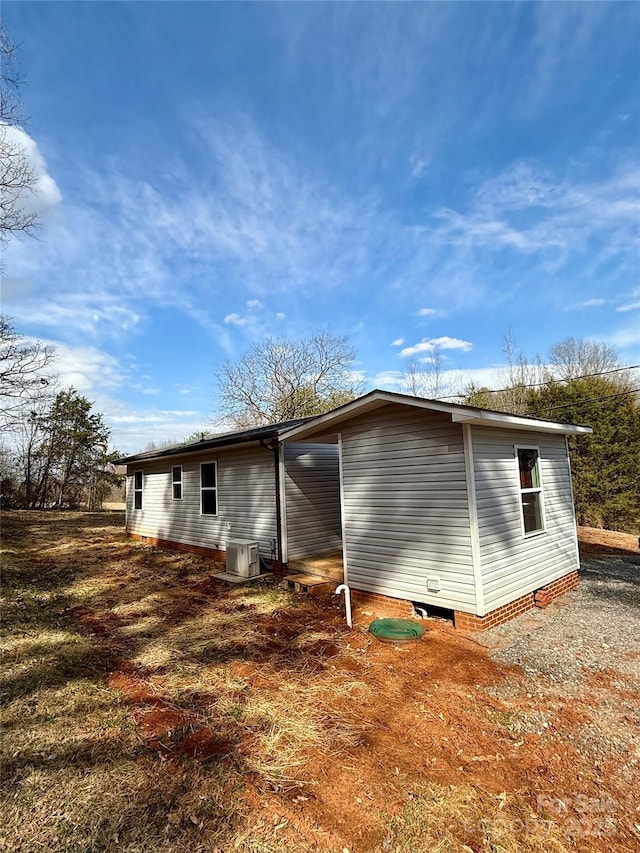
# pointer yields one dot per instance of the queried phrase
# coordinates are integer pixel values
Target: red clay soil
(425, 720)
(427, 717)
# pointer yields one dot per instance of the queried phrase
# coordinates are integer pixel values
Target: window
(208, 488)
(176, 482)
(137, 489)
(530, 490)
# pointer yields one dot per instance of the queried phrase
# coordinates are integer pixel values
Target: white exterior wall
(312, 490)
(246, 499)
(513, 565)
(405, 506)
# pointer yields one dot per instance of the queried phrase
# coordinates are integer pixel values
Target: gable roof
(459, 414)
(227, 439)
(301, 428)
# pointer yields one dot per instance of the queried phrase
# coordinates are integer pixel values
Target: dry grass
(149, 708)
(87, 773)
(438, 818)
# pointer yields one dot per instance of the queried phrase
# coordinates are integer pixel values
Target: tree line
(54, 449)
(582, 382)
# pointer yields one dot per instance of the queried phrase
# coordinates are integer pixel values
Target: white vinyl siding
(406, 508)
(312, 490)
(512, 564)
(245, 500)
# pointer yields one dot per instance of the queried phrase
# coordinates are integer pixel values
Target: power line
(547, 382)
(592, 400)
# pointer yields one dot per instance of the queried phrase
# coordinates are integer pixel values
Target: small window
(208, 488)
(137, 489)
(530, 482)
(176, 482)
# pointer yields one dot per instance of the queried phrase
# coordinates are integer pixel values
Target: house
(435, 505)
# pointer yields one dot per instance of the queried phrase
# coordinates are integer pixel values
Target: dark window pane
(208, 474)
(532, 512)
(176, 474)
(177, 491)
(137, 500)
(209, 502)
(137, 480)
(528, 462)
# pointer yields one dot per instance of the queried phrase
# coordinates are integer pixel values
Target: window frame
(533, 490)
(209, 488)
(138, 491)
(178, 482)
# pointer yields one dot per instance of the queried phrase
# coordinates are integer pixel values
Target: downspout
(274, 446)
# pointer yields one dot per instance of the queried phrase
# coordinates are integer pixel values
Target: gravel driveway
(582, 653)
(594, 628)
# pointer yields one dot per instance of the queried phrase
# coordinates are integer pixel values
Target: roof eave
(194, 448)
(515, 422)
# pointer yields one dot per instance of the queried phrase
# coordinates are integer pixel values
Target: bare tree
(18, 179)
(424, 378)
(280, 379)
(575, 357)
(24, 374)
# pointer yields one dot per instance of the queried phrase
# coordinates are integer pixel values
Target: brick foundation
(469, 623)
(383, 606)
(378, 606)
(279, 569)
(214, 553)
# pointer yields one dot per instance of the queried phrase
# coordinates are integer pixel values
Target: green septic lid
(396, 630)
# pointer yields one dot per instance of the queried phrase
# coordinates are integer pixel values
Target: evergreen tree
(606, 464)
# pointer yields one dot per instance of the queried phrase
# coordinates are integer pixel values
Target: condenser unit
(243, 558)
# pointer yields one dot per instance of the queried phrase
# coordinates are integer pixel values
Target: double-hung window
(176, 482)
(208, 488)
(530, 482)
(137, 489)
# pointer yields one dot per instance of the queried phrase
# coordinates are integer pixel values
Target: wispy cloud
(533, 212)
(254, 213)
(237, 320)
(428, 312)
(630, 306)
(398, 342)
(101, 377)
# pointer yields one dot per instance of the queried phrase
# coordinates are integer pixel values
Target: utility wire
(548, 382)
(592, 400)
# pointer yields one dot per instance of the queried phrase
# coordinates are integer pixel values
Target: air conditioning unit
(243, 558)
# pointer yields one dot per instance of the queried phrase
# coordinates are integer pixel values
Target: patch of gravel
(594, 628)
(562, 651)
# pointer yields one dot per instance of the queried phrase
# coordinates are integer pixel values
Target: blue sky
(402, 173)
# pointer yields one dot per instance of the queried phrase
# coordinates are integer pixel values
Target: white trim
(215, 514)
(516, 422)
(459, 414)
(536, 490)
(138, 491)
(175, 482)
(573, 506)
(476, 557)
(343, 525)
(283, 504)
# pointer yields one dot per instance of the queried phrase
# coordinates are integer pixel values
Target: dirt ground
(148, 706)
